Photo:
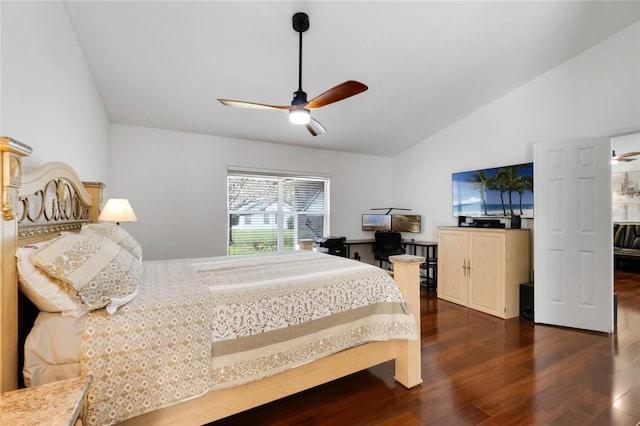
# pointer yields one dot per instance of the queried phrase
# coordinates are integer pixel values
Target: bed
(342, 316)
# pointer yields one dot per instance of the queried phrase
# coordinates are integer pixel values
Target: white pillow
(40, 289)
(95, 271)
(118, 235)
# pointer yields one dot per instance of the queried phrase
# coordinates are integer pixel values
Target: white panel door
(573, 234)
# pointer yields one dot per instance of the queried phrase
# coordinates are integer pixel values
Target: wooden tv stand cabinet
(482, 268)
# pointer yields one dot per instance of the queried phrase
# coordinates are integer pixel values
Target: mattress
(198, 325)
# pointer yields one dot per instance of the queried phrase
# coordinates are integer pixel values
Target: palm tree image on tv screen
(497, 192)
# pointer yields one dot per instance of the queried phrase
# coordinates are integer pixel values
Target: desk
(430, 265)
(349, 243)
(431, 247)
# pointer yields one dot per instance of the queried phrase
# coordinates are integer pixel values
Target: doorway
(625, 178)
(625, 190)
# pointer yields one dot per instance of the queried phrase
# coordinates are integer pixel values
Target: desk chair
(387, 244)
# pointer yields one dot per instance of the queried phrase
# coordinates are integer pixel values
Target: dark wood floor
(480, 370)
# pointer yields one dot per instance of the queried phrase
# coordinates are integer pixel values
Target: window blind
(271, 212)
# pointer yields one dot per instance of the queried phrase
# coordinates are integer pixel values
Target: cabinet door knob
(467, 267)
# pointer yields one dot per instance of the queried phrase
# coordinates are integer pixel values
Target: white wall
(596, 93)
(176, 183)
(49, 99)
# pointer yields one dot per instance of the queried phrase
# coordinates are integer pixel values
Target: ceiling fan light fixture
(300, 116)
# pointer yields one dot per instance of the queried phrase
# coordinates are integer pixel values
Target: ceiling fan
(300, 108)
(624, 157)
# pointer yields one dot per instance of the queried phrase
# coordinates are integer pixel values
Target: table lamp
(117, 210)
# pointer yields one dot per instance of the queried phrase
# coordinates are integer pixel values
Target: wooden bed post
(11, 151)
(406, 272)
(95, 190)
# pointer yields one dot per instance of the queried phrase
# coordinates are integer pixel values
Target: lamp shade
(117, 210)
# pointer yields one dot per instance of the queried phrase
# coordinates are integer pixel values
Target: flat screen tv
(498, 192)
(376, 222)
(406, 222)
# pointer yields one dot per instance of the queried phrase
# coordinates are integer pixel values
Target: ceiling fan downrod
(300, 22)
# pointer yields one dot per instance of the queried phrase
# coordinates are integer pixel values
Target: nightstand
(59, 403)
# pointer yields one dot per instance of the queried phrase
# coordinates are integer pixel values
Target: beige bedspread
(264, 314)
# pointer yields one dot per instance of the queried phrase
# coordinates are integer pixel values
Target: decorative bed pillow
(45, 294)
(96, 272)
(118, 235)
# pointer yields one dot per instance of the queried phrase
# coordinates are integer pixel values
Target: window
(272, 212)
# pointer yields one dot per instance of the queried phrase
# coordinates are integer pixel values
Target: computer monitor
(376, 222)
(406, 223)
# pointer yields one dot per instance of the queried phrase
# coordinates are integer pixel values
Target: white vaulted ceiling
(427, 64)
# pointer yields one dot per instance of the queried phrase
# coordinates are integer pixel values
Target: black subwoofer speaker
(515, 222)
(526, 301)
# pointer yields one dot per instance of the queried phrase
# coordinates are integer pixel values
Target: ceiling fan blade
(315, 128)
(337, 93)
(254, 105)
(624, 158)
(629, 154)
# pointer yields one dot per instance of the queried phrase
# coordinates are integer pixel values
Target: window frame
(281, 214)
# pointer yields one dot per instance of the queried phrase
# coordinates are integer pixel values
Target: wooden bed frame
(39, 203)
